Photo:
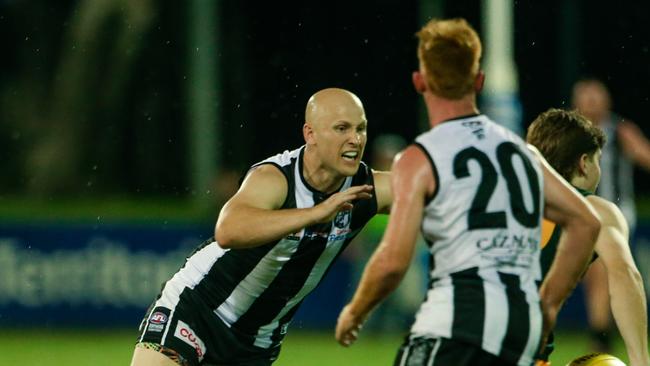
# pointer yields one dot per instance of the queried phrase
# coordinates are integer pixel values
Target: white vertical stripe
(405, 355)
(496, 311)
(434, 352)
(258, 280)
(436, 315)
(535, 331)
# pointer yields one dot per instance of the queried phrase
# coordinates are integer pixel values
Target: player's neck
(318, 176)
(441, 109)
(582, 183)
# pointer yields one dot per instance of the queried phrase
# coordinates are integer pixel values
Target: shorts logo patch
(187, 335)
(158, 318)
(157, 322)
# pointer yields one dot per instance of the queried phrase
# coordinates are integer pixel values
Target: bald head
(333, 104)
(334, 132)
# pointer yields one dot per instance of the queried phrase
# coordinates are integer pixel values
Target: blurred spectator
(626, 146)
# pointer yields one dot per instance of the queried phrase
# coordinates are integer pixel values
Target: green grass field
(111, 347)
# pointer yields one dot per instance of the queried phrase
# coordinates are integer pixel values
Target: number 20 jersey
(482, 226)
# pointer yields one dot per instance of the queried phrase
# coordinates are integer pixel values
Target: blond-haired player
(478, 193)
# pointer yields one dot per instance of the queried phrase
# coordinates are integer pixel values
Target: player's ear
(582, 164)
(308, 133)
(479, 81)
(418, 82)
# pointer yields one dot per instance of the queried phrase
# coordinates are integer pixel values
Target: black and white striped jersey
(256, 291)
(617, 169)
(482, 225)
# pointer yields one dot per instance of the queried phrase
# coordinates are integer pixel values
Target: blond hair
(449, 51)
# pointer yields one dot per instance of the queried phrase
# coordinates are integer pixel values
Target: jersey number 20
(478, 217)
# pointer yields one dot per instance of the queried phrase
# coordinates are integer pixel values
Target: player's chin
(349, 167)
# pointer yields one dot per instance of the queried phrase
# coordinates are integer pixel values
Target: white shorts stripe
(434, 352)
(405, 355)
(169, 325)
(496, 311)
(146, 320)
(535, 331)
(435, 316)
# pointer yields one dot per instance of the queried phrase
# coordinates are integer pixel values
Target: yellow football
(596, 359)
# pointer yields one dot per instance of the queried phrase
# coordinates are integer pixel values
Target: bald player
(232, 301)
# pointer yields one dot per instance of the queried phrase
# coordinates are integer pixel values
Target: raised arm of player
(383, 191)
(580, 226)
(253, 217)
(627, 296)
(635, 145)
(412, 181)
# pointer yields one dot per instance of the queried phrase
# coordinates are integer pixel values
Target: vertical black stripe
(469, 306)
(430, 281)
(516, 337)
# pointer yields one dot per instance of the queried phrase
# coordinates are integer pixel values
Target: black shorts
(421, 351)
(201, 338)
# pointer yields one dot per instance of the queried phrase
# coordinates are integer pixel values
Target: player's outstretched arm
(627, 296)
(412, 181)
(635, 145)
(383, 191)
(580, 226)
(253, 216)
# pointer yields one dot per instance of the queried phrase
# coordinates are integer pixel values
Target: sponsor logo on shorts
(157, 322)
(187, 335)
(158, 318)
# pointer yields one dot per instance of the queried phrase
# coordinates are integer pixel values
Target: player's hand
(326, 211)
(348, 327)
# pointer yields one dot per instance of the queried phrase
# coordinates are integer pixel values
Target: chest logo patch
(342, 219)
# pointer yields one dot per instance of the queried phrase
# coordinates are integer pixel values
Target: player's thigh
(150, 357)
